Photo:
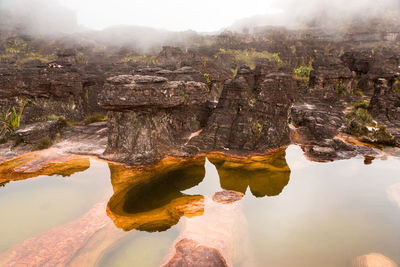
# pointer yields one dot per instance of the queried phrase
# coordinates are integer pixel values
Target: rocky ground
(335, 94)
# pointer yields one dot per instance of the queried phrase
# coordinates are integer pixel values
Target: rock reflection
(45, 162)
(218, 238)
(393, 192)
(265, 175)
(150, 199)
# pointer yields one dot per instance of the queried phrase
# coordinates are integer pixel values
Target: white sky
(177, 15)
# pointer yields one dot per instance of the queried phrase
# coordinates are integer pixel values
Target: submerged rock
(60, 245)
(373, 260)
(226, 197)
(191, 253)
(217, 238)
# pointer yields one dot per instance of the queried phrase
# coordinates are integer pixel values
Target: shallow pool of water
(294, 212)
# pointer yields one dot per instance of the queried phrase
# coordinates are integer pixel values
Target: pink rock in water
(373, 260)
(217, 238)
(58, 246)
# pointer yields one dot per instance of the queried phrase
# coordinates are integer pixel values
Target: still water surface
(294, 212)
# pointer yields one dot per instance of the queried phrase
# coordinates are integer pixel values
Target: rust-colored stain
(45, 162)
(133, 185)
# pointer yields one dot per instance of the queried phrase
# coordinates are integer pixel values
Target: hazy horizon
(180, 15)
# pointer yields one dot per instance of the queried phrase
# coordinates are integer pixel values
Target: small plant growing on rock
(10, 120)
(302, 73)
(382, 136)
(256, 128)
(396, 86)
(364, 104)
(207, 77)
(250, 56)
(45, 143)
(358, 120)
(95, 117)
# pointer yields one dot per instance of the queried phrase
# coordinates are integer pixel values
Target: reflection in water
(162, 189)
(151, 199)
(265, 175)
(217, 238)
(329, 215)
(44, 162)
(394, 193)
(53, 221)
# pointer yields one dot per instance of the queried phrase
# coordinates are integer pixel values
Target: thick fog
(37, 16)
(329, 14)
(72, 17)
(64, 15)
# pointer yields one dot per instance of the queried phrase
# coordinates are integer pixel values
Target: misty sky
(180, 15)
(203, 15)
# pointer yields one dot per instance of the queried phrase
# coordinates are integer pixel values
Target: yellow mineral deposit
(265, 175)
(133, 204)
(44, 162)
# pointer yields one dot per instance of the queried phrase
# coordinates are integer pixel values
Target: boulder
(151, 118)
(35, 132)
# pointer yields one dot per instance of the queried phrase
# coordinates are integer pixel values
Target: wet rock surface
(373, 259)
(226, 197)
(190, 253)
(65, 245)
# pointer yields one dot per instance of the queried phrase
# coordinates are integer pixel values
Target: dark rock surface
(251, 116)
(239, 94)
(151, 118)
(34, 133)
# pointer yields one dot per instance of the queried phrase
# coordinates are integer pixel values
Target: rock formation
(231, 93)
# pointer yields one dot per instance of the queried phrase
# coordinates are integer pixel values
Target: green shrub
(10, 120)
(302, 73)
(383, 137)
(256, 128)
(396, 86)
(364, 104)
(250, 56)
(357, 122)
(207, 77)
(45, 143)
(95, 117)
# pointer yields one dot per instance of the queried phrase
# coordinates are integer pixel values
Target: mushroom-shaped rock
(132, 92)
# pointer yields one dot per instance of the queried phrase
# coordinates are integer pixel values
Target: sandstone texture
(237, 93)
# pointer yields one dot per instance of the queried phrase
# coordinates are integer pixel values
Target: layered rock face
(234, 93)
(385, 105)
(151, 118)
(252, 114)
(49, 89)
